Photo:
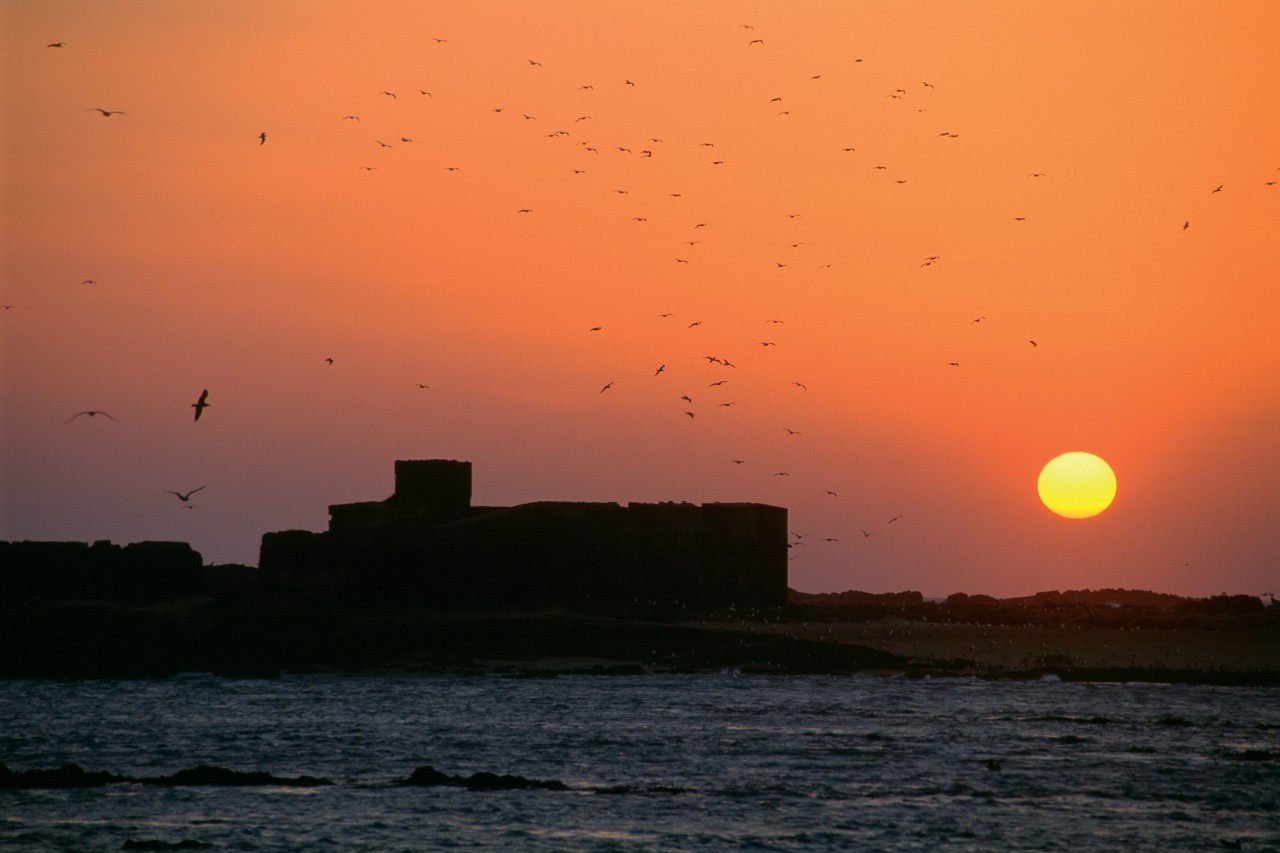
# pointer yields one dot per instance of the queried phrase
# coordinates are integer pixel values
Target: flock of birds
(589, 153)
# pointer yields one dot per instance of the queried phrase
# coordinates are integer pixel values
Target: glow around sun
(1077, 485)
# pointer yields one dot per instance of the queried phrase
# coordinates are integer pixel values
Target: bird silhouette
(201, 404)
(606, 387)
(262, 138)
(106, 113)
(91, 413)
(181, 496)
(56, 44)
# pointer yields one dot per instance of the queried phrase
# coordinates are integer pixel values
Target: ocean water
(652, 762)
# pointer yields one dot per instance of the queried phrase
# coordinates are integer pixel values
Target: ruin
(427, 542)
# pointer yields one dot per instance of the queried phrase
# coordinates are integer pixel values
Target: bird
(977, 320)
(201, 404)
(181, 496)
(329, 361)
(533, 62)
(381, 143)
(717, 382)
(106, 113)
(866, 533)
(606, 387)
(792, 431)
(1186, 225)
(262, 138)
(801, 386)
(89, 281)
(595, 328)
(351, 118)
(953, 364)
(422, 386)
(391, 94)
(892, 520)
(91, 413)
(690, 414)
(1033, 343)
(368, 168)
(829, 492)
(524, 210)
(1217, 189)
(56, 44)
(660, 369)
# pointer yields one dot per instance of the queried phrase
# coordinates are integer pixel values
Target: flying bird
(660, 369)
(829, 492)
(892, 520)
(181, 496)
(262, 138)
(606, 387)
(1186, 225)
(57, 44)
(106, 113)
(865, 534)
(201, 404)
(1217, 189)
(91, 413)
(1033, 343)
(392, 94)
(329, 361)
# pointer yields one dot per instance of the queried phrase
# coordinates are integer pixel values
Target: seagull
(829, 492)
(800, 385)
(351, 118)
(1033, 343)
(1186, 225)
(368, 168)
(106, 113)
(329, 361)
(262, 138)
(90, 413)
(199, 405)
(606, 387)
(392, 94)
(181, 496)
(978, 320)
(953, 364)
(892, 520)
(660, 369)
(792, 431)
(57, 44)
(865, 534)
(1217, 189)
(422, 386)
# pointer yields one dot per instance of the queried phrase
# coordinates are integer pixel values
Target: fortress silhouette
(429, 543)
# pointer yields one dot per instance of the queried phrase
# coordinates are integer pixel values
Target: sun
(1077, 485)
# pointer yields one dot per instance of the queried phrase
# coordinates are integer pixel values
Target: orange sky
(226, 264)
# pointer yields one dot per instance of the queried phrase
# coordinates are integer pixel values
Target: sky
(856, 216)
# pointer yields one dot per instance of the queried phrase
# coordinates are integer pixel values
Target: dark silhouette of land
(423, 581)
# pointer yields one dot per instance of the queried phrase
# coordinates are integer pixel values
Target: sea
(704, 762)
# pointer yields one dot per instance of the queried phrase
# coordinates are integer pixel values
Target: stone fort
(428, 542)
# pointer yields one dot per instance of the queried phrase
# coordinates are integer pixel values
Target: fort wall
(423, 543)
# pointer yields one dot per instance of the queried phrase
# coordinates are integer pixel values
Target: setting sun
(1077, 485)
